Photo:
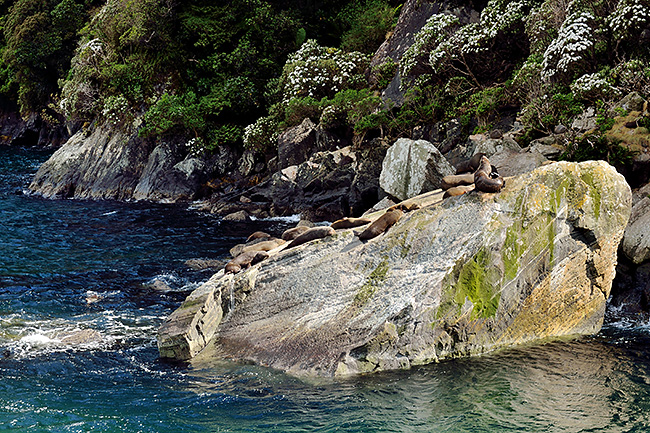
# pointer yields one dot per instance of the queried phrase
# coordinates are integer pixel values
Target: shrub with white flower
(572, 46)
(629, 18)
(115, 108)
(591, 87)
(317, 71)
(437, 28)
(443, 41)
(262, 134)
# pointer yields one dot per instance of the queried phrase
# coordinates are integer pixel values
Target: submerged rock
(457, 277)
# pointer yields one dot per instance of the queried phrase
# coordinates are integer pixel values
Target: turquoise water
(71, 267)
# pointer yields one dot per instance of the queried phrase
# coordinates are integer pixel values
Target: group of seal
(475, 173)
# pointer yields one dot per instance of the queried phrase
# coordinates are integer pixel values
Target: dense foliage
(241, 72)
(197, 68)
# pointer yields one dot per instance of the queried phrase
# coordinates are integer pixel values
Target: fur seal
(470, 165)
(456, 180)
(405, 206)
(257, 235)
(311, 234)
(486, 179)
(381, 224)
(264, 246)
(245, 260)
(348, 223)
(291, 234)
(458, 190)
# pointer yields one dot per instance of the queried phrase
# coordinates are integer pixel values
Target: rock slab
(413, 167)
(457, 277)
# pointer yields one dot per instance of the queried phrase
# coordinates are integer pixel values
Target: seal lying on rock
(405, 206)
(470, 165)
(348, 223)
(458, 190)
(486, 179)
(257, 235)
(311, 234)
(381, 224)
(245, 260)
(454, 180)
(260, 244)
(291, 234)
(269, 245)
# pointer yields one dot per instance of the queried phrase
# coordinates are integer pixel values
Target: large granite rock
(413, 167)
(457, 277)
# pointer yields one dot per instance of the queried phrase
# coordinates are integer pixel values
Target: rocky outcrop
(296, 145)
(412, 167)
(31, 130)
(457, 277)
(105, 162)
(636, 242)
(326, 187)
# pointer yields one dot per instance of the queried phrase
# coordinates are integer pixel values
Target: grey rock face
(412, 167)
(113, 164)
(105, 165)
(632, 102)
(636, 242)
(457, 277)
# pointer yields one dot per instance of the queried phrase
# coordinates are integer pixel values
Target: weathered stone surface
(586, 121)
(512, 163)
(457, 277)
(327, 187)
(105, 164)
(632, 102)
(165, 180)
(636, 242)
(412, 167)
(188, 329)
(108, 163)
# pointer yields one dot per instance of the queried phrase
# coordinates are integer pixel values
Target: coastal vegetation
(241, 72)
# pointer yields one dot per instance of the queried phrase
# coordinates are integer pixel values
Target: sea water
(106, 274)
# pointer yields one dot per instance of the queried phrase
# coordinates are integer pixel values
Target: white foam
(38, 340)
(285, 219)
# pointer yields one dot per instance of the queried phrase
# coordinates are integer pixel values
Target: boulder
(412, 167)
(636, 242)
(324, 188)
(587, 121)
(458, 277)
(512, 163)
(632, 102)
(163, 179)
(296, 145)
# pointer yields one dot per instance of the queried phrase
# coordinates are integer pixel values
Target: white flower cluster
(444, 45)
(114, 108)
(437, 28)
(261, 134)
(318, 71)
(591, 86)
(629, 16)
(573, 43)
(498, 16)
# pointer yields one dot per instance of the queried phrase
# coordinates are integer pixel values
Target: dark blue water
(110, 272)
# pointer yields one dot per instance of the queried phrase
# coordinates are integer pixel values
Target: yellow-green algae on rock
(457, 277)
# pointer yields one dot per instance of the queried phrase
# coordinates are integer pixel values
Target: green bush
(598, 147)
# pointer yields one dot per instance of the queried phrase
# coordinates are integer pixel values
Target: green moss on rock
(374, 280)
